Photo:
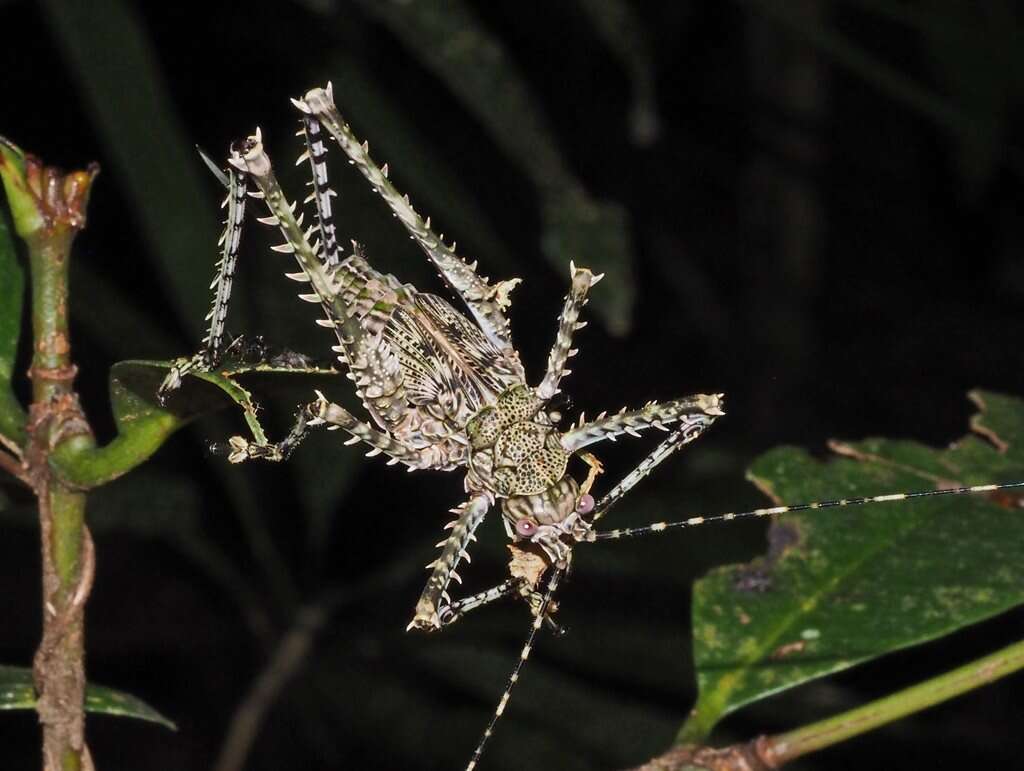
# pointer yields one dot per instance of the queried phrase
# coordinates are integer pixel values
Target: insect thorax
(515, 448)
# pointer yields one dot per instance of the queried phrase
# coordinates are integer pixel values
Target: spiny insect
(446, 392)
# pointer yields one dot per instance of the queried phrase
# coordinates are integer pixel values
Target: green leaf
(12, 294)
(142, 426)
(17, 692)
(842, 586)
(24, 206)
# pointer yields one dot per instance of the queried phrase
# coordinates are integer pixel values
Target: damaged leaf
(847, 585)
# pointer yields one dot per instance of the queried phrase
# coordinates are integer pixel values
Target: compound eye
(585, 504)
(525, 528)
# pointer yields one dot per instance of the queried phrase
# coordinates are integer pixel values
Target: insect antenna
(542, 611)
(658, 527)
(216, 170)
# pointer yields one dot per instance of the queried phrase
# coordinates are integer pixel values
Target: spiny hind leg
(213, 348)
(316, 154)
(370, 362)
(486, 301)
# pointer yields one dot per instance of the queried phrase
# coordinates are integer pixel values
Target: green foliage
(12, 293)
(21, 200)
(842, 586)
(17, 692)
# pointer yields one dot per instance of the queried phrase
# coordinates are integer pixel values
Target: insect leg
(435, 593)
(674, 441)
(322, 192)
(485, 301)
(322, 411)
(372, 365)
(212, 350)
(449, 614)
(692, 414)
(582, 280)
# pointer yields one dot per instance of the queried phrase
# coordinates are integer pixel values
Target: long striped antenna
(659, 527)
(216, 170)
(542, 612)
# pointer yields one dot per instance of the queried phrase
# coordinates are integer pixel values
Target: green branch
(12, 289)
(85, 466)
(48, 210)
(793, 744)
(766, 753)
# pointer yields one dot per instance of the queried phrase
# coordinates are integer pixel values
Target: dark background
(818, 205)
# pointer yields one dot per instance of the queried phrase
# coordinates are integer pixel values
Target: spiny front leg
(485, 301)
(693, 415)
(230, 239)
(471, 514)
(562, 351)
(673, 442)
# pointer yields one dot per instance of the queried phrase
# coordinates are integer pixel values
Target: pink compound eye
(585, 504)
(526, 528)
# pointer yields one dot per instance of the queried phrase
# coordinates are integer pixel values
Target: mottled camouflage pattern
(442, 391)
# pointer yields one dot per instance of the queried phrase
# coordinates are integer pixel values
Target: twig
(791, 745)
(290, 655)
(15, 468)
(13, 446)
(288, 658)
(48, 211)
(771, 752)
